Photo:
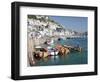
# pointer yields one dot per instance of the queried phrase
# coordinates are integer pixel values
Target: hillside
(44, 26)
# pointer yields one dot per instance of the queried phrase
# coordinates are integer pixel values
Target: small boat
(53, 52)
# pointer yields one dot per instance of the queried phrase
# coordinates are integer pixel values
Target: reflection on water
(70, 59)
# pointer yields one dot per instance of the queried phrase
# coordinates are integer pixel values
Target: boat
(52, 51)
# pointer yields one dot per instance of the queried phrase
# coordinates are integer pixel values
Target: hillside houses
(42, 26)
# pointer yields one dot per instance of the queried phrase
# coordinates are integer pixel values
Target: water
(73, 58)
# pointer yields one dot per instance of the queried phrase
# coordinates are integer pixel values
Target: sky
(78, 24)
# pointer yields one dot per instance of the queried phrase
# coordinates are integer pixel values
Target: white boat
(53, 53)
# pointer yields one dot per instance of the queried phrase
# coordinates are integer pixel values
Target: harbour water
(73, 58)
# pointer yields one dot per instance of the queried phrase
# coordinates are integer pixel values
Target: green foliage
(32, 17)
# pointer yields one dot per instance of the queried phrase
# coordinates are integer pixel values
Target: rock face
(63, 51)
